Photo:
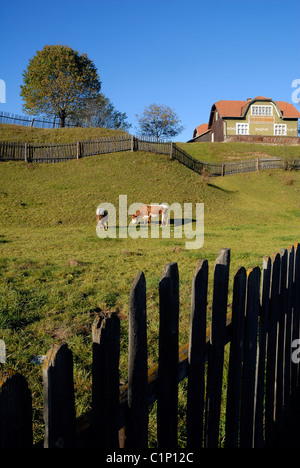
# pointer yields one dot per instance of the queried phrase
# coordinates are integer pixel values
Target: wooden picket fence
(53, 153)
(262, 390)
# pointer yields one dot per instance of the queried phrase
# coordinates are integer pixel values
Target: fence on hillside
(39, 153)
(40, 122)
(263, 380)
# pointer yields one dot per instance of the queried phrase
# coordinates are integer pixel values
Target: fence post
(105, 374)
(283, 333)
(137, 424)
(78, 150)
(196, 357)
(171, 149)
(272, 350)
(59, 402)
(248, 396)
(216, 352)
(167, 397)
(294, 322)
(15, 411)
(235, 360)
(296, 304)
(26, 152)
(262, 342)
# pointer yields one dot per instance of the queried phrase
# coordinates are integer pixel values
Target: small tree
(58, 81)
(100, 112)
(159, 122)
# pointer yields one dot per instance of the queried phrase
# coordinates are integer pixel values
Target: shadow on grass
(221, 188)
(3, 240)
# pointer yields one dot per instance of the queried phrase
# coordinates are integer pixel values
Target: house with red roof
(258, 119)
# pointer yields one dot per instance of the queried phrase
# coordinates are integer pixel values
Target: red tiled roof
(237, 108)
(288, 110)
(230, 108)
(201, 129)
(261, 98)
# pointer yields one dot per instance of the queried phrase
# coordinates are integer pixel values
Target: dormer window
(261, 110)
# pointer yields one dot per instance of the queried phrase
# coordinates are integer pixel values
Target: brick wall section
(281, 140)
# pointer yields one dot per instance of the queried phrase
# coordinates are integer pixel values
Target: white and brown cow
(102, 218)
(146, 212)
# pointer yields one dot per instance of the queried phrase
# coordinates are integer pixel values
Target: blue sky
(185, 54)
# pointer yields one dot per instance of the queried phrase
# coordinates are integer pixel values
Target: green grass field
(56, 274)
(232, 152)
(18, 133)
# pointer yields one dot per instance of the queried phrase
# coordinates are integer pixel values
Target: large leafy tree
(159, 121)
(58, 81)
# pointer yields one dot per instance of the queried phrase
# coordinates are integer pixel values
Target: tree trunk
(62, 117)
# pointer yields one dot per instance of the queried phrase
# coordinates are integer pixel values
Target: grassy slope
(56, 273)
(18, 133)
(218, 152)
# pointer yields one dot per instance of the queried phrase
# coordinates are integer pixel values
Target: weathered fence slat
(248, 401)
(262, 348)
(59, 402)
(282, 333)
(15, 411)
(137, 425)
(167, 398)
(294, 307)
(272, 350)
(216, 352)
(105, 375)
(296, 304)
(196, 359)
(235, 360)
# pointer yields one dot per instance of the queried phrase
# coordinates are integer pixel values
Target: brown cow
(147, 212)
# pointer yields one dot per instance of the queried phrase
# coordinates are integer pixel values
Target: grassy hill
(19, 133)
(231, 152)
(56, 274)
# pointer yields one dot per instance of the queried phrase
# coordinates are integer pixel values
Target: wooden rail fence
(41, 122)
(52, 153)
(263, 380)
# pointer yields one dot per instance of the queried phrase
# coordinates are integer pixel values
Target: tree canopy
(100, 112)
(59, 81)
(159, 121)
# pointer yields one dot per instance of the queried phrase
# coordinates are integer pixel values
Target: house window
(280, 129)
(261, 110)
(242, 129)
